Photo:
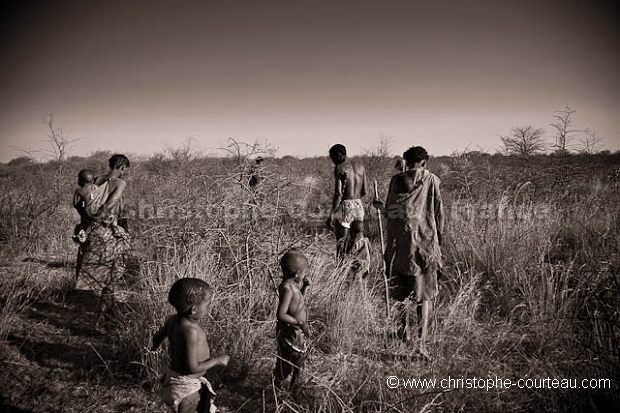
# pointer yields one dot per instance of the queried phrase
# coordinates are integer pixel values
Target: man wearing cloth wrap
(414, 236)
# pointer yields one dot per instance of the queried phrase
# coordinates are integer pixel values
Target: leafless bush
(524, 141)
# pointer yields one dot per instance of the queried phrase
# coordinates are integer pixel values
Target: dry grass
(531, 288)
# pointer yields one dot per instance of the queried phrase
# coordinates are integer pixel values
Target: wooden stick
(385, 280)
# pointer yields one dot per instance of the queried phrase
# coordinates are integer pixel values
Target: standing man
(349, 188)
(414, 235)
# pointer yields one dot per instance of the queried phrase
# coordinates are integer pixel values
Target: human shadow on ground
(82, 360)
(76, 312)
(73, 314)
(132, 265)
(51, 263)
(84, 357)
(66, 336)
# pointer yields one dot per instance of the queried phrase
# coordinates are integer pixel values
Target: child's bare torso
(297, 307)
(178, 329)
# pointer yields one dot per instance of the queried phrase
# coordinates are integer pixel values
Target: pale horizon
(139, 77)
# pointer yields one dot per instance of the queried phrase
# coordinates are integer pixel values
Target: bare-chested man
(349, 188)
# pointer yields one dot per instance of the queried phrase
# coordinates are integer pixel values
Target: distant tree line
(528, 140)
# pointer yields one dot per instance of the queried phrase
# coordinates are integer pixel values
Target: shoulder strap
(97, 199)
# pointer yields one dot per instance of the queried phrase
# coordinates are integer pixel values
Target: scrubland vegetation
(530, 288)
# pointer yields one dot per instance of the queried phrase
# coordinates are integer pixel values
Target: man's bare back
(349, 188)
(353, 186)
(349, 181)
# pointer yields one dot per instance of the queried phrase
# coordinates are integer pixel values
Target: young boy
(82, 196)
(359, 251)
(292, 325)
(184, 387)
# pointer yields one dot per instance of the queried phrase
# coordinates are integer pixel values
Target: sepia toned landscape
(515, 101)
(530, 286)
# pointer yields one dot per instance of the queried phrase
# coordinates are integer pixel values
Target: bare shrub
(524, 141)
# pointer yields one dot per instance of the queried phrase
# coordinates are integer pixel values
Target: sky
(141, 77)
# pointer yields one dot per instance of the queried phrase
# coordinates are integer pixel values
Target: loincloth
(177, 387)
(348, 211)
(291, 351)
(291, 337)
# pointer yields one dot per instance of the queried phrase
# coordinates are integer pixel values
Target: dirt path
(52, 362)
(55, 364)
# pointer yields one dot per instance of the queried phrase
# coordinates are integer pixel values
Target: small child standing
(359, 251)
(184, 387)
(82, 196)
(292, 324)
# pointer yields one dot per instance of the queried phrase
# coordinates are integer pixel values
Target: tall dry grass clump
(545, 265)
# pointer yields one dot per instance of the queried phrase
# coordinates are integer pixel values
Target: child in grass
(82, 196)
(358, 251)
(292, 324)
(184, 387)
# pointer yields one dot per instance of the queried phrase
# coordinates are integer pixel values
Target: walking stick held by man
(385, 280)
